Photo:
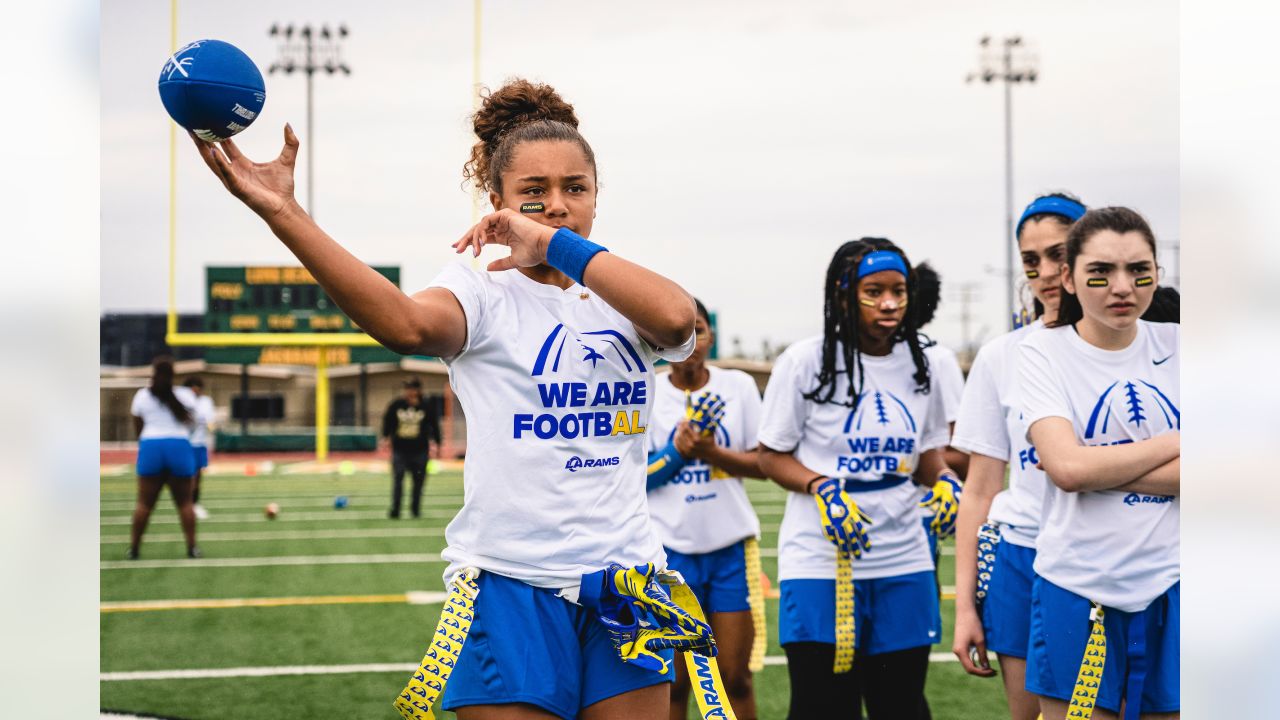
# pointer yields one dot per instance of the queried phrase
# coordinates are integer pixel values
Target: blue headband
(1051, 205)
(880, 261)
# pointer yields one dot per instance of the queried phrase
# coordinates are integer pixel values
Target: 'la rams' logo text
(599, 351)
(881, 435)
(1135, 408)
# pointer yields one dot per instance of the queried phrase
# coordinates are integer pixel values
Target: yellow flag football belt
(704, 672)
(755, 597)
(846, 628)
(426, 685)
(1085, 694)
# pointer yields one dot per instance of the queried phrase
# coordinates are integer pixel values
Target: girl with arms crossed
(848, 417)
(990, 429)
(701, 510)
(1100, 397)
(551, 353)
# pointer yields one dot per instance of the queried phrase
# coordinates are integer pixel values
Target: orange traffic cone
(766, 587)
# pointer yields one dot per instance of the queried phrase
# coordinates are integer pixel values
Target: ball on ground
(271, 511)
(212, 89)
(339, 502)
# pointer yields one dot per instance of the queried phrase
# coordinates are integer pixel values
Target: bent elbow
(676, 325)
(1066, 477)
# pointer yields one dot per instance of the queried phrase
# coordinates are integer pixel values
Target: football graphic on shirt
(882, 432)
(1132, 408)
(562, 347)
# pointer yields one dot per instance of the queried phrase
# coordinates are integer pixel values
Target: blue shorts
(890, 614)
(1006, 612)
(1059, 633)
(528, 646)
(157, 456)
(718, 578)
(201, 455)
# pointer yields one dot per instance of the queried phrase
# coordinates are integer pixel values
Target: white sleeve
(750, 396)
(469, 288)
(936, 432)
(980, 427)
(1040, 388)
(949, 380)
(784, 409)
(675, 354)
(136, 408)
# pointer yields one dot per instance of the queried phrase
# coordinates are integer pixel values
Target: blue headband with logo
(879, 261)
(1051, 205)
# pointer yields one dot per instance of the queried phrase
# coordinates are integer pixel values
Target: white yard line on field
(270, 561)
(354, 534)
(168, 517)
(278, 670)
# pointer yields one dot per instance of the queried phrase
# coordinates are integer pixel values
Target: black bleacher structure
(131, 339)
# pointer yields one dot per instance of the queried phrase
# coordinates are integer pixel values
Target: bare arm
(430, 323)
(137, 426)
(1078, 468)
(985, 480)
(1164, 480)
(930, 466)
(784, 469)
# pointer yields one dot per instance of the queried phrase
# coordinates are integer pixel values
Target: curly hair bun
(517, 103)
(516, 112)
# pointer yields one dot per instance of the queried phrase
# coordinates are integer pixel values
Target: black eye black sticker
(1096, 282)
(1033, 274)
(532, 207)
(1144, 281)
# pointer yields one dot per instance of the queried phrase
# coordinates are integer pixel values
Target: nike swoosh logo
(1159, 362)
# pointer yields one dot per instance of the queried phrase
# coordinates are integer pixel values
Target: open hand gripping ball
(212, 89)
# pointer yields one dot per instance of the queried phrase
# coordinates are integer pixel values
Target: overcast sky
(738, 143)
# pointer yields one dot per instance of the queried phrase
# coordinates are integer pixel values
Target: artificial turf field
(361, 565)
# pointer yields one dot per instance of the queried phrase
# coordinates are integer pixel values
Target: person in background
(410, 425)
(162, 417)
(203, 425)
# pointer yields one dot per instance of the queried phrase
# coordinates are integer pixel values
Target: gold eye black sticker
(532, 207)
(1144, 281)
(868, 303)
(1096, 282)
(1033, 274)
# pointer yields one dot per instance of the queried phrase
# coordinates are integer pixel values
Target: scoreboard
(275, 299)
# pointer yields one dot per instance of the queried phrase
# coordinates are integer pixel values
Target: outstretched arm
(429, 323)
(1079, 468)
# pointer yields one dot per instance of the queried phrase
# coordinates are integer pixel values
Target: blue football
(212, 89)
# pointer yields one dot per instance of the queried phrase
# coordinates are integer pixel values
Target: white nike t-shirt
(990, 424)
(557, 391)
(157, 419)
(947, 380)
(892, 425)
(1114, 547)
(703, 509)
(204, 415)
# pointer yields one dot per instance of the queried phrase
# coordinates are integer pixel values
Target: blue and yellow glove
(944, 501)
(641, 619)
(842, 520)
(704, 413)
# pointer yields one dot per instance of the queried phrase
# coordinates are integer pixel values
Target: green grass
(339, 634)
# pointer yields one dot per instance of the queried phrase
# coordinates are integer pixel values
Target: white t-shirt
(1114, 547)
(157, 419)
(991, 424)
(947, 380)
(885, 435)
(703, 509)
(204, 416)
(557, 391)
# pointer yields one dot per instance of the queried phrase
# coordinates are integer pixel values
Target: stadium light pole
(1005, 67)
(316, 48)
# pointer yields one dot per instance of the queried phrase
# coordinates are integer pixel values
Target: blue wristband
(569, 253)
(664, 465)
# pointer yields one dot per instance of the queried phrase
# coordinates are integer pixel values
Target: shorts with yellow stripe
(717, 578)
(1060, 628)
(527, 645)
(890, 613)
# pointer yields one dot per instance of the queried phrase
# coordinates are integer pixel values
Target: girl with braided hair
(849, 419)
(551, 353)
